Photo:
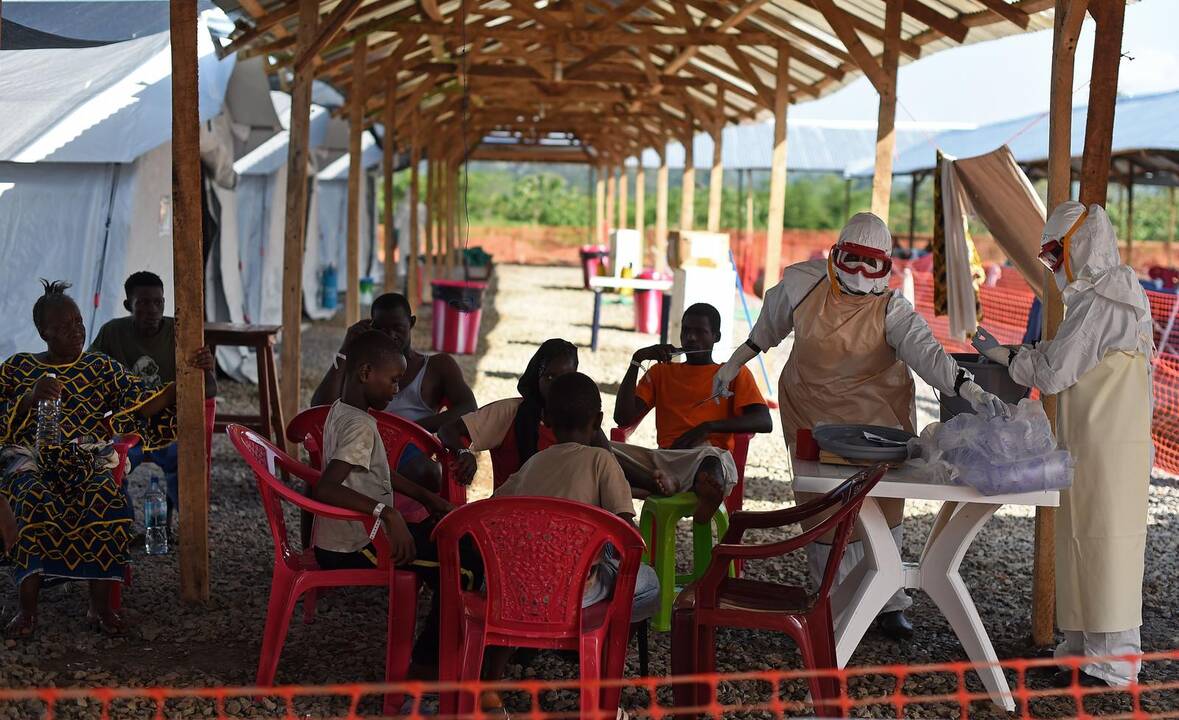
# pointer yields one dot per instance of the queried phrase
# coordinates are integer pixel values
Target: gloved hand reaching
(983, 402)
(999, 354)
(723, 380)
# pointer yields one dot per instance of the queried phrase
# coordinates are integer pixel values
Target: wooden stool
(268, 422)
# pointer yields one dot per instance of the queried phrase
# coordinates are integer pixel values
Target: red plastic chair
(537, 556)
(293, 578)
(736, 499)
(719, 600)
(397, 433)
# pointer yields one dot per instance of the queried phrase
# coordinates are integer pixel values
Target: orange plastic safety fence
(861, 693)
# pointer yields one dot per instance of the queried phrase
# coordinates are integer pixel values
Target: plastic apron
(1101, 524)
(842, 370)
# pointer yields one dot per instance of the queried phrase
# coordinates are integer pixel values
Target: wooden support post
(413, 282)
(641, 206)
(1066, 31)
(296, 218)
(389, 157)
(431, 214)
(688, 184)
(914, 181)
(777, 210)
(451, 219)
(600, 205)
(661, 211)
(1130, 217)
(188, 271)
(1109, 16)
(1170, 224)
(716, 176)
(886, 118)
(355, 176)
(623, 200)
(611, 199)
(749, 204)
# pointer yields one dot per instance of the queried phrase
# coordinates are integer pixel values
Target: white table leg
(941, 581)
(864, 592)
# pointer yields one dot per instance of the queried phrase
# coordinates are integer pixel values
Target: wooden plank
(838, 20)
(431, 214)
(600, 205)
(943, 25)
(688, 179)
(527, 74)
(188, 271)
(1103, 88)
(355, 171)
(1008, 12)
(623, 200)
(415, 160)
(1170, 241)
(886, 117)
(750, 7)
(611, 201)
(749, 204)
(661, 179)
(430, 9)
(332, 25)
(777, 209)
(296, 217)
(388, 158)
(716, 176)
(641, 205)
(262, 25)
(618, 13)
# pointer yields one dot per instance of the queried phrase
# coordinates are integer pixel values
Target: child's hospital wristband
(377, 510)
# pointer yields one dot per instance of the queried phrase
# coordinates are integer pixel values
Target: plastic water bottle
(155, 517)
(48, 422)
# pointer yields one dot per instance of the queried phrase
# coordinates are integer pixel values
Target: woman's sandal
(110, 624)
(21, 626)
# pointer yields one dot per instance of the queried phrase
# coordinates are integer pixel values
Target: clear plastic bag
(996, 456)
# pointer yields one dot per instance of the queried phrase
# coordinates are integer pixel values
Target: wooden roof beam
(1008, 12)
(430, 9)
(518, 72)
(838, 20)
(327, 30)
(262, 25)
(927, 16)
(750, 7)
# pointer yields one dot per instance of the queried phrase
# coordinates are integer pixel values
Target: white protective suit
(907, 338)
(1100, 364)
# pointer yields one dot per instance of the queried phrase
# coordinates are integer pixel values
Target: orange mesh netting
(876, 692)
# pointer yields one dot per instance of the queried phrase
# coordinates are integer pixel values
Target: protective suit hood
(869, 231)
(1092, 257)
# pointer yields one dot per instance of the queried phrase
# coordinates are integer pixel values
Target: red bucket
(649, 305)
(458, 308)
(593, 257)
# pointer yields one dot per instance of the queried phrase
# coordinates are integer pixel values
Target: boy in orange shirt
(694, 429)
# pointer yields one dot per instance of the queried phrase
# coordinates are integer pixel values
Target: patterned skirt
(75, 522)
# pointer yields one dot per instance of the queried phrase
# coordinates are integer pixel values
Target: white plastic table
(861, 596)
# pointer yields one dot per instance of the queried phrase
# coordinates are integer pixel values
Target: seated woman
(511, 428)
(74, 522)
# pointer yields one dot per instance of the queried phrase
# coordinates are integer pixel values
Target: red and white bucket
(458, 308)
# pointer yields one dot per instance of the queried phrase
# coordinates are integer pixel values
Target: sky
(1009, 77)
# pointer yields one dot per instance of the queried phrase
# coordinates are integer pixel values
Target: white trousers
(817, 554)
(1118, 673)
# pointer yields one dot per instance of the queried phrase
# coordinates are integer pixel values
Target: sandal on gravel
(110, 624)
(21, 627)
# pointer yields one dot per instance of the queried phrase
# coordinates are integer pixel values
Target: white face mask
(861, 285)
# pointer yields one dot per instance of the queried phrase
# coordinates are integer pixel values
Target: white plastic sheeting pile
(995, 456)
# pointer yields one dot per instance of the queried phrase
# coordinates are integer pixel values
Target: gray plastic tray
(848, 441)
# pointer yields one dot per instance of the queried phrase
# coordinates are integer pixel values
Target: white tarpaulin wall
(85, 173)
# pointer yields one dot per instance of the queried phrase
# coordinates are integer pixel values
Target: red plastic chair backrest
(267, 461)
(537, 554)
(306, 429)
(849, 496)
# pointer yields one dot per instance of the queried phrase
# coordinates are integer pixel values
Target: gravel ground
(217, 644)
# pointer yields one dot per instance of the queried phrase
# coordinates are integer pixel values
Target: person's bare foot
(663, 482)
(107, 622)
(709, 488)
(21, 626)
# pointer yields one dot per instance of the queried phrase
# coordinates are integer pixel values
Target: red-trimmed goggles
(1053, 252)
(861, 260)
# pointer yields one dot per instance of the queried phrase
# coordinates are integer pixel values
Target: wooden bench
(599, 284)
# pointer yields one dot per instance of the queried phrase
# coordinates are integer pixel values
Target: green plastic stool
(657, 523)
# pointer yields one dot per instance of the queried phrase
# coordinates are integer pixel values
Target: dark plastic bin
(991, 376)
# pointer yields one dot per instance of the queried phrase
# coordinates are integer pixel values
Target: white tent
(85, 171)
